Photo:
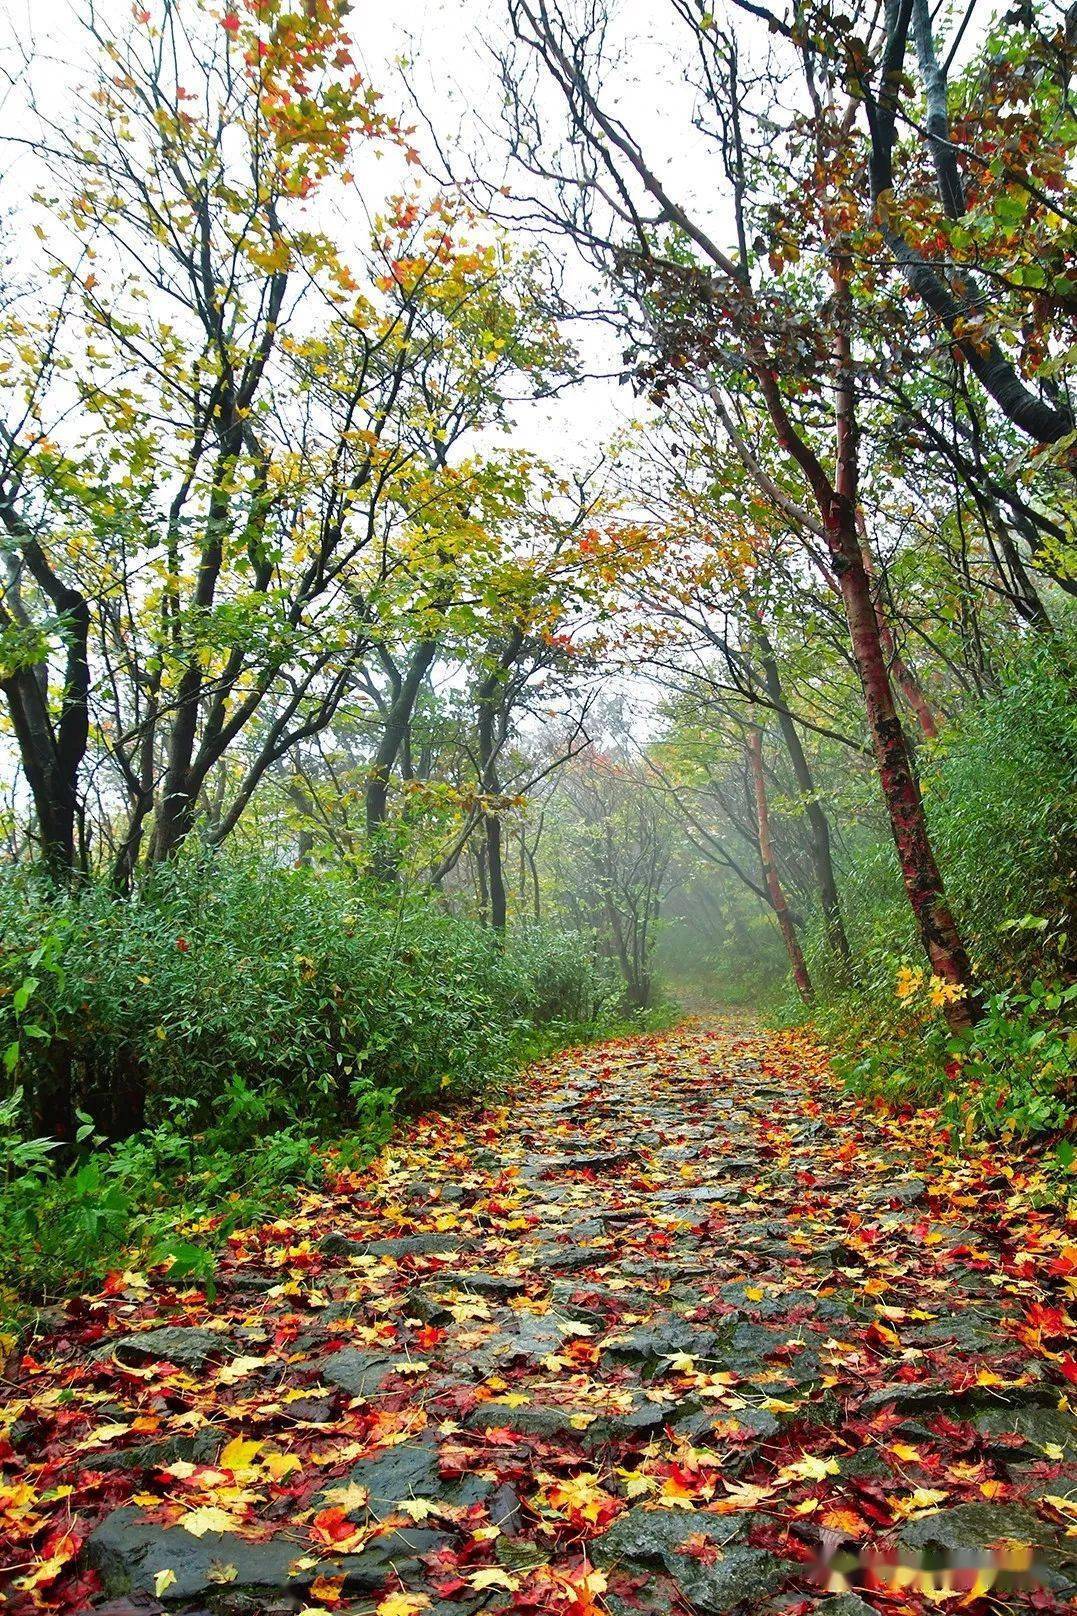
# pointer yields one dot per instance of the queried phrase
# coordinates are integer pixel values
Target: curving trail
(680, 1328)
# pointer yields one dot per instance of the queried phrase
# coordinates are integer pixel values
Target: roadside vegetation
(235, 1029)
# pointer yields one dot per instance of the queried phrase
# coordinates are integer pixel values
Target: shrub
(314, 993)
(218, 1027)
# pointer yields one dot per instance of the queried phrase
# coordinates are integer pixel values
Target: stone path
(679, 1329)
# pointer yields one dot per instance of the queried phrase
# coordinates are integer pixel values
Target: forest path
(679, 1328)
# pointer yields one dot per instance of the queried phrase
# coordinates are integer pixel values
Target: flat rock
(739, 1575)
(129, 1552)
(200, 1448)
(356, 1371)
(649, 1534)
(749, 1422)
(745, 1343)
(187, 1346)
(504, 1509)
(408, 1471)
(566, 1257)
(535, 1335)
(663, 1338)
(1037, 1426)
(593, 1161)
(974, 1526)
(528, 1418)
(642, 1417)
(738, 1572)
(699, 1194)
(905, 1191)
(405, 1245)
(910, 1399)
(489, 1284)
(964, 1327)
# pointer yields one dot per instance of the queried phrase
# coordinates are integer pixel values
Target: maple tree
(756, 336)
(271, 414)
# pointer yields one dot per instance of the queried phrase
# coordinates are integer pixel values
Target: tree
(763, 349)
(611, 862)
(258, 467)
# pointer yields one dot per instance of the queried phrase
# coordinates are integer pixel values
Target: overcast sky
(449, 48)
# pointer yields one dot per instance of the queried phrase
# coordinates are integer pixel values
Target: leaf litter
(679, 1327)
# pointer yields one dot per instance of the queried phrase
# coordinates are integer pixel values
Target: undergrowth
(1001, 793)
(231, 1032)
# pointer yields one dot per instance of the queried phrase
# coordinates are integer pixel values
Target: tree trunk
(51, 753)
(818, 826)
(495, 873)
(481, 885)
(53, 1102)
(907, 681)
(383, 858)
(490, 709)
(175, 810)
(901, 791)
(837, 501)
(770, 870)
(52, 785)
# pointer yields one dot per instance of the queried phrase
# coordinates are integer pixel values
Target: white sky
(448, 44)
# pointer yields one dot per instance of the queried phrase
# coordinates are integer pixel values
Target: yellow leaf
(491, 1577)
(922, 1501)
(746, 1495)
(239, 1369)
(808, 1468)
(420, 1509)
(402, 1605)
(206, 1518)
(281, 1464)
(220, 1572)
(327, 1590)
(349, 1495)
(754, 1293)
(163, 1580)
(238, 1455)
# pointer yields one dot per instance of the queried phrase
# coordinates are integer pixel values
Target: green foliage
(1001, 792)
(166, 1194)
(1018, 1072)
(308, 989)
(262, 1011)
